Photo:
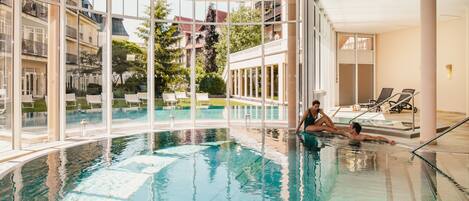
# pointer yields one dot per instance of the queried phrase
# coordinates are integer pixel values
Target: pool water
(94, 116)
(213, 164)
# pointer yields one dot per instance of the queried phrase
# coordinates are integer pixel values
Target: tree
(211, 38)
(120, 63)
(169, 74)
(242, 36)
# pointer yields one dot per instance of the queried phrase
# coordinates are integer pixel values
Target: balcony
(71, 32)
(5, 43)
(71, 3)
(273, 14)
(35, 9)
(34, 48)
(71, 58)
(6, 2)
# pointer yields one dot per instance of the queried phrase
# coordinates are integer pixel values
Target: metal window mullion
(228, 88)
(151, 68)
(17, 38)
(263, 70)
(356, 67)
(62, 75)
(192, 77)
(108, 69)
(297, 66)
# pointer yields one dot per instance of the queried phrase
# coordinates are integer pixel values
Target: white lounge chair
(181, 95)
(132, 99)
(169, 98)
(202, 98)
(143, 96)
(28, 100)
(93, 99)
(70, 98)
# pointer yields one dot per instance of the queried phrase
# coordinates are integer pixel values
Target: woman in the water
(314, 123)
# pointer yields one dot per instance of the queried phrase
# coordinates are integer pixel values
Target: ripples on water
(210, 165)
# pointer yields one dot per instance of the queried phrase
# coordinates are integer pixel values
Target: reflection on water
(211, 165)
(95, 116)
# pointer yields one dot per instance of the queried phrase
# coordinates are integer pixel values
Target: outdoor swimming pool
(38, 119)
(213, 164)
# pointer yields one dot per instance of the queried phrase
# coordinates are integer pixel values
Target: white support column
(250, 82)
(256, 81)
(63, 75)
(428, 69)
(281, 83)
(292, 64)
(151, 69)
(245, 92)
(17, 71)
(107, 72)
(272, 80)
(239, 82)
(467, 61)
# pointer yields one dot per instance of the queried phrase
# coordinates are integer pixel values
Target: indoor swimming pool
(225, 164)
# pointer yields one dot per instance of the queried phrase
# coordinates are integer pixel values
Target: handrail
(442, 133)
(333, 115)
(378, 104)
(403, 100)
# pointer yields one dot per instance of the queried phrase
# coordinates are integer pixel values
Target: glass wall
(84, 59)
(356, 68)
(223, 61)
(317, 57)
(6, 33)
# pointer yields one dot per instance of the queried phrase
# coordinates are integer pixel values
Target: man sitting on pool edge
(353, 132)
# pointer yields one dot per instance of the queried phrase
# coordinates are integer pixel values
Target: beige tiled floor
(456, 141)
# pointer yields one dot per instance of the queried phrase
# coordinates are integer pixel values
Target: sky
(178, 7)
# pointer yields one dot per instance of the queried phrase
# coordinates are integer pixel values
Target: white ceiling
(377, 16)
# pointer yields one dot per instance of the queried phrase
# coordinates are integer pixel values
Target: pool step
(130, 179)
(359, 187)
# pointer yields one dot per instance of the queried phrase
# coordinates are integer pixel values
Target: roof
(118, 28)
(185, 27)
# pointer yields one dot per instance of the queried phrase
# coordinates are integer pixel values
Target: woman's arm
(302, 120)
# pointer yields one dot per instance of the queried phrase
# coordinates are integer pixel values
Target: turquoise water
(212, 164)
(37, 119)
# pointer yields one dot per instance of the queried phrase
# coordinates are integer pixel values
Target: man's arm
(379, 138)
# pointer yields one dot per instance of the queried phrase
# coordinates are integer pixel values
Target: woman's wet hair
(357, 127)
(316, 102)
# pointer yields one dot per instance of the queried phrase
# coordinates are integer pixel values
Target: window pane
(84, 78)
(211, 76)
(129, 75)
(6, 35)
(40, 35)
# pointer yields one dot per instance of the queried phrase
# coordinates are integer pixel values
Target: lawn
(40, 105)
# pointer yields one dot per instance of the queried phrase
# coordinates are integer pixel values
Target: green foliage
(169, 74)
(242, 36)
(211, 38)
(199, 67)
(120, 64)
(213, 84)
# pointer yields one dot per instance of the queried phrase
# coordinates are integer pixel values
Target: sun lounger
(405, 105)
(27, 100)
(202, 98)
(169, 98)
(71, 98)
(385, 94)
(132, 99)
(93, 100)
